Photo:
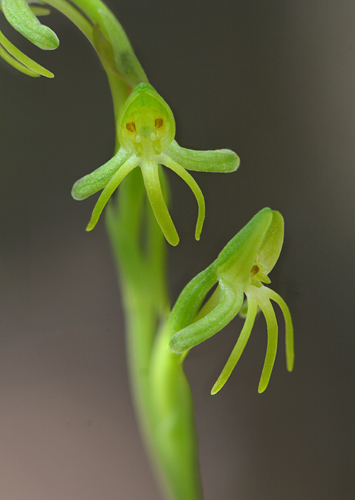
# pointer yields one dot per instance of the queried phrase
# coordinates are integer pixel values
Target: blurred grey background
(275, 82)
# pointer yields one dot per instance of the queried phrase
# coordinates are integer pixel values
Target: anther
(254, 270)
(159, 122)
(131, 126)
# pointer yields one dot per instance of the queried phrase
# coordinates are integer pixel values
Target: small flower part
(19, 14)
(146, 131)
(240, 270)
(23, 18)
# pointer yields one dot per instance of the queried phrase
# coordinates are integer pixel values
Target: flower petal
(23, 59)
(230, 302)
(15, 64)
(155, 195)
(290, 350)
(144, 103)
(272, 338)
(97, 180)
(186, 309)
(106, 194)
(220, 160)
(239, 346)
(210, 304)
(271, 246)
(238, 256)
(22, 19)
(39, 11)
(195, 188)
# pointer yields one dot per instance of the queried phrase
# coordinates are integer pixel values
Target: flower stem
(160, 389)
(161, 392)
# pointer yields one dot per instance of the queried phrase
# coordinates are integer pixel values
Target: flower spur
(240, 270)
(146, 131)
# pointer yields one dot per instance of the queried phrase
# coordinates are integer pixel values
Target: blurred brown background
(275, 82)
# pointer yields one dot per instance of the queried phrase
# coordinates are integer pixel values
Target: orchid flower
(146, 131)
(241, 270)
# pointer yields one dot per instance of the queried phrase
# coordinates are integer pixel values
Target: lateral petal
(97, 180)
(220, 160)
(23, 59)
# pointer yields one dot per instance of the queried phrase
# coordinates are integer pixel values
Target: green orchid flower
(23, 18)
(241, 270)
(146, 131)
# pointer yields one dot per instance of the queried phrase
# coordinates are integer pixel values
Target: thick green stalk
(173, 421)
(160, 389)
(143, 292)
(116, 81)
(108, 38)
(126, 62)
(161, 392)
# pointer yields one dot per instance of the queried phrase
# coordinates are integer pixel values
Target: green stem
(74, 16)
(173, 423)
(161, 392)
(117, 85)
(143, 291)
(126, 61)
(160, 389)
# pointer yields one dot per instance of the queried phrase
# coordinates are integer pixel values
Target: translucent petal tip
(262, 387)
(214, 390)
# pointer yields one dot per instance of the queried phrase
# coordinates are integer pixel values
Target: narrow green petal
(39, 11)
(211, 303)
(186, 308)
(155, 195)
(289, 341)
(227, 308)
(190, 181)
(239, 346)
(272, 336)
(264, 278)
(243, 313)
(220, 160)
(97, 180)
(14, 63)
(109, 189)
(23, 59)
(19, 14)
